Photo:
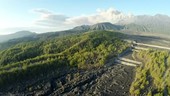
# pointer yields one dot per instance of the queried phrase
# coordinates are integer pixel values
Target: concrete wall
(154, 46)
(129, 60)
(125, 63)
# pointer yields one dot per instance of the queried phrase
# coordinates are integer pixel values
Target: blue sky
(18, 15)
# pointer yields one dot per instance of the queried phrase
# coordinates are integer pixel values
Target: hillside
(99, 26)
(82, 61)
(156, 25)
(38, 37)
(38, 61)
(19, 34)
(152, 78)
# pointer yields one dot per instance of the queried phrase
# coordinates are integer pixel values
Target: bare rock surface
(112, 80)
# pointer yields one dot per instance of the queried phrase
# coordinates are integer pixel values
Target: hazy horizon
(44, 16)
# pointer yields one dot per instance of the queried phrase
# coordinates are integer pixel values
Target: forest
(38, 58)
(153, 77)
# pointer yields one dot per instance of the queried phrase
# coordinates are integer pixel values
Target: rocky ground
(112, 80)
(155, 40)
(115, 81)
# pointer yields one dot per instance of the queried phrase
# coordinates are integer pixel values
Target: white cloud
(51, 19)
(42, 11)
(109, 15)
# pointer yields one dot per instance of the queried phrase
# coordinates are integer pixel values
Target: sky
(53, 15)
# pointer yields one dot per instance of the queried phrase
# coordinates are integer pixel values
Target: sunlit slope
(152, 78)
(35, 59)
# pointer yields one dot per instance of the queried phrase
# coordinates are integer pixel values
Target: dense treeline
(38, 37)
(152, 78)
(32, 59)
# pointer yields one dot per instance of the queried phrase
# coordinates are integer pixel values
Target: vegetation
(33, 59)
(153, 77)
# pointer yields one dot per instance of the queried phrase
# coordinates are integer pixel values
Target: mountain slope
(82, 27)
(37, 61)
(105, 26)
(38, 37)
(99, 26)
(153, 77)
(157, 24)
(19, 34)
